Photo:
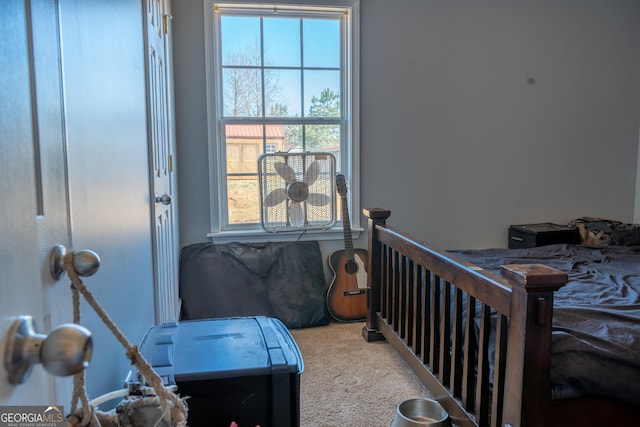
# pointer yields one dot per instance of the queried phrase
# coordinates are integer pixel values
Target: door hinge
(165, 23)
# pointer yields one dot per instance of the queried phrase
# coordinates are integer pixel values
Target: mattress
(596, 317)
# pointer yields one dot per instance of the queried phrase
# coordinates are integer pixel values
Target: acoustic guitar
(347, 294)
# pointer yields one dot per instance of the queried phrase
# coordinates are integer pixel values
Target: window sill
(244, 236)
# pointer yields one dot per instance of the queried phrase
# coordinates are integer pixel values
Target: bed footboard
(481, 343)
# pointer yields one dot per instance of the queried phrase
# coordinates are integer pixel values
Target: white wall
(474, 115)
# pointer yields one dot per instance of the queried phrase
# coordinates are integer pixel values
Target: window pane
(283, 93)
(321, 43)
(242, 88)
(245, 143)
(292, 137)
(322, 93)
(240, 40)
(243, 198)
(322, 138)
(281, 42)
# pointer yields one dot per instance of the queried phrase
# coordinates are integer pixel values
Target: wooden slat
(418, 312)
(445, 335)
(402, 296)
(426, 316)
(395, 288)
(457, 342)
(469, 361)
(386, 283)
(483, 397)
(410, 304)
(499, 369)
(434, 318)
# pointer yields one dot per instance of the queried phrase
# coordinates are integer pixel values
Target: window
(271, 148)
(280, 78)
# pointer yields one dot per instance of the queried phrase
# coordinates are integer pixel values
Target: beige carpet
(349, 382)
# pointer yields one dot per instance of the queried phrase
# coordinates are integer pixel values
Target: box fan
(297, 191)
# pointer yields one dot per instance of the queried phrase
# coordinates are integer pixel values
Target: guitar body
(347, 294)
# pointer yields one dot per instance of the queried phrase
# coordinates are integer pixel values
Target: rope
(86, 415)
(174, 408)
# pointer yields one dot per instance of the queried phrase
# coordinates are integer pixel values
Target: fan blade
(317, 199)
(285, 171)
(296, 214)
(312, 173)
(276, 197)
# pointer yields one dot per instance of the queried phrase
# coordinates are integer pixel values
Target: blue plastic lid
(221, 348)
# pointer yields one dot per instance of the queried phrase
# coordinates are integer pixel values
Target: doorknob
(85, 262)
(66, 350)
(165, 199)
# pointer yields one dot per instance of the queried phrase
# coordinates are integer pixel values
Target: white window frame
(349, 156)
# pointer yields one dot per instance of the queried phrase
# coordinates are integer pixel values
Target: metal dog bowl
(420, 413)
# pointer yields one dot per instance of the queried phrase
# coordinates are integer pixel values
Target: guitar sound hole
(351, 267)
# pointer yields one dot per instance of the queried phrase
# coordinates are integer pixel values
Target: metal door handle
(85, 262)
(165, 199)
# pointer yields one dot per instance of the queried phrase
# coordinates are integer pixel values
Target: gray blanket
(596, 318)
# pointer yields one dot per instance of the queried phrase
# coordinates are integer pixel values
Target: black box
(244, 369)
(532, 235)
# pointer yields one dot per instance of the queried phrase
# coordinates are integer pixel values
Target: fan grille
(317, 210)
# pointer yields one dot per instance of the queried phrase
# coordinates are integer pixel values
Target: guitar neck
(346, 223)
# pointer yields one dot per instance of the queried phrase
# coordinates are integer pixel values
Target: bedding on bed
(596, 318)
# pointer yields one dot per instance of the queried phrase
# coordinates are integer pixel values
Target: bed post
(376, 216)
(527, 382)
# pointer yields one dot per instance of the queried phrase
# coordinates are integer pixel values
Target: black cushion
(284, 280)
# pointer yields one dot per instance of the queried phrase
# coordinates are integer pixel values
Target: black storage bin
(243, 369)
(542, 234)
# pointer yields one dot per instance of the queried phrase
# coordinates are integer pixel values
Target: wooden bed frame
(416, 300)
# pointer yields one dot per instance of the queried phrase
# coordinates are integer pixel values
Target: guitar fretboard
(346, 222)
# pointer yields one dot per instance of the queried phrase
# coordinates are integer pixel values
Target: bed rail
(487, 369)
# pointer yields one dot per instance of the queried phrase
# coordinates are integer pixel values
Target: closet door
(106, 126)
(162, 145)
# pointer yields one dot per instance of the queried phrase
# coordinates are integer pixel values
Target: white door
(33, 188)
(74, 170)
(106, 124)
(162, 143)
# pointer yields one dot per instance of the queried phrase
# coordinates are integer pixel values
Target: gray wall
(474, 115)
(192, 150)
